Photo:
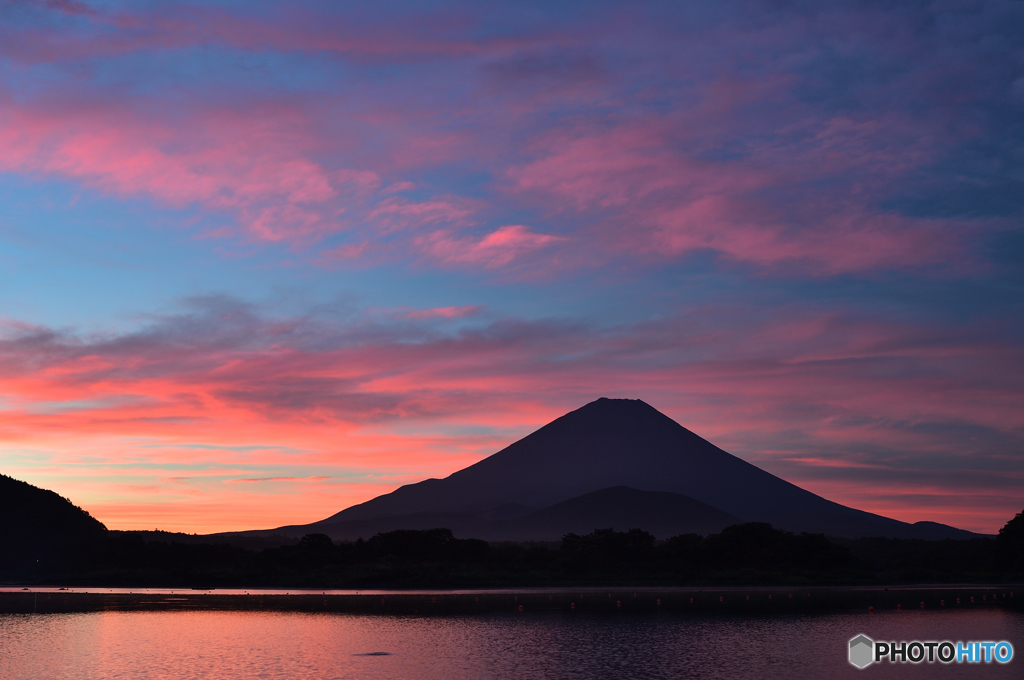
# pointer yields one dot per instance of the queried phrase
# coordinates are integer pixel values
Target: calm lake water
(227, 645)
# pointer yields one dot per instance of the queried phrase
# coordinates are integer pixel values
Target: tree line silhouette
(751, 554)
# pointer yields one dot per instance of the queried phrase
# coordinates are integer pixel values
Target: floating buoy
(721, 598)
(618, 603)
(972, 599)
(871, 610)
(958, 600)
(922, 605)
(791, 596)
(477, 599)
(748, 597)
(899, 607)
(659, 603)
(942, 603)
(769, 597)
(691, 600)
(520, 607)
(572, 606)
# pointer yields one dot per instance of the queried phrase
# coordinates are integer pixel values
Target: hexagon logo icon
(862, 651)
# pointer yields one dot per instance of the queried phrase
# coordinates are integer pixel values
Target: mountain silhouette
(35, 522)
(606, 444)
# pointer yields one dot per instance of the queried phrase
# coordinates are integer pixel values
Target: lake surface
(296, 646)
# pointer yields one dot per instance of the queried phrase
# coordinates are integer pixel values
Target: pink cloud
(452, 312)
(281, 479)
(273, 187)
(397, 213)
(497, 249)
(645, 196)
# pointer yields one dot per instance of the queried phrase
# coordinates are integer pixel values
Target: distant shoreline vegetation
(744, 554)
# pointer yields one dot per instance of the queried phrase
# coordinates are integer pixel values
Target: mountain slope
(36, 521)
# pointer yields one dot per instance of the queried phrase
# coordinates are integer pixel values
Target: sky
(263, 261)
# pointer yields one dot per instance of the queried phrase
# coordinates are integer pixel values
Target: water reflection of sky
(235, 645)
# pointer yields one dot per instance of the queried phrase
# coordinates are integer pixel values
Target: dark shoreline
(729, 601)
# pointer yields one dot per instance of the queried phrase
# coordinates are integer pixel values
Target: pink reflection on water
(229, 645)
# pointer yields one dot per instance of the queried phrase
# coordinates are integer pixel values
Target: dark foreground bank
(745, 554)
(581, 601)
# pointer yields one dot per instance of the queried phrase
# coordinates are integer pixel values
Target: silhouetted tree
(1009, 547)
